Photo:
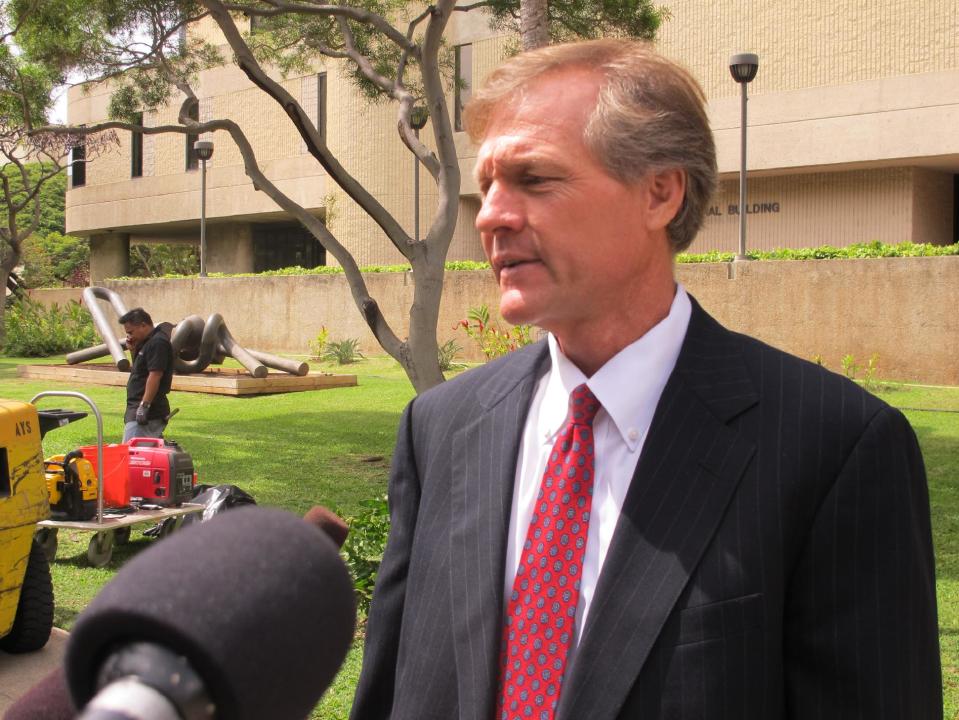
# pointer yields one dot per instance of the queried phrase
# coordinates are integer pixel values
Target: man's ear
(665, 192)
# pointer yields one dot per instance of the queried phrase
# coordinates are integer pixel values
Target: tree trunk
(424, 366)
(4, 276)
(534, 28)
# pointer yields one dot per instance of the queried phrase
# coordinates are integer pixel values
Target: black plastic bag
(216, 499)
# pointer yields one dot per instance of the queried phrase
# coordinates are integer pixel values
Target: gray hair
(650, 116)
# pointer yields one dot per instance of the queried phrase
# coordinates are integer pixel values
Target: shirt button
(633, 434)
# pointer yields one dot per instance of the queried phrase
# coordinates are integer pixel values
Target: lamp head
(743, 67)
(204, 149)
(418, 117)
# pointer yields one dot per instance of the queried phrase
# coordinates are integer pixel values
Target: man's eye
(533, 180)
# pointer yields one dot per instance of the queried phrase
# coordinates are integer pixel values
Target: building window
(285, 245)
(955, 208)
(256, 24)
(78, 165)
(192, 159)
(136, 149)
(463, 60)
(321, 105)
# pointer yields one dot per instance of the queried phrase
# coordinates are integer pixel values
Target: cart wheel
(34, 619)
(121, 536)
(47, 539)
(100, 549)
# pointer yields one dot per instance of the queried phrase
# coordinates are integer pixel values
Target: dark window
(78, 166)
(136, 149)
(955, 208)
(463, 59)
(192, 159)
(256, 23)
(321, 105)
(285, 245)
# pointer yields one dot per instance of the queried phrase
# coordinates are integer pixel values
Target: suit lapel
(483, 462)
(688, 471)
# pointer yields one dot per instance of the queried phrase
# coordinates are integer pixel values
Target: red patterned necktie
(541, 612)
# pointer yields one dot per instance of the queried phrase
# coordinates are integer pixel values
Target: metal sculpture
(196, 343)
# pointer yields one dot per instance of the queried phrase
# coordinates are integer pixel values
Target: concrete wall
(901, 308)
(56, 296)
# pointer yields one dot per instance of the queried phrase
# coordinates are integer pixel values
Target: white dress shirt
(628, 386)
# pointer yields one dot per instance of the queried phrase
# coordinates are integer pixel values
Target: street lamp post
(204, 151)
(743, 68)
(418, 118)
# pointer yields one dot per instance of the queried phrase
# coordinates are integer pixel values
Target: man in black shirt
(150, 376)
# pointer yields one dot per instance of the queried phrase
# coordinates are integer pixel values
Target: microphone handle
(146, 681)
(129, 699)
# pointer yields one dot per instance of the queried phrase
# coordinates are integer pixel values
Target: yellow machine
(72, 485)
(26, 591)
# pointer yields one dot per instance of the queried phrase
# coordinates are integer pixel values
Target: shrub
(873, 249)
(849, 366)
(32, 330)
(492, 341)
(870, 373)
(363, 549)
(318, 344)
(446, 354)
(342, 352)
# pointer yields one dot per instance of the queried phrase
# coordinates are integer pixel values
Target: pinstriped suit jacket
(773, 558)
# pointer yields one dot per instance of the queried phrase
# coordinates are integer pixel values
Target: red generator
(160, 472)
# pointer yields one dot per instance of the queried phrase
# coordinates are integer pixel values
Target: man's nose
(502, 209)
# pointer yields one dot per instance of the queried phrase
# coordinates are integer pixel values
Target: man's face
(136, 333)
(569, 244)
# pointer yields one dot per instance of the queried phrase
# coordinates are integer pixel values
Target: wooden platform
(218, 381)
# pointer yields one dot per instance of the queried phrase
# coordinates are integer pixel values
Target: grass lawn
(295, 450)
(332, 447)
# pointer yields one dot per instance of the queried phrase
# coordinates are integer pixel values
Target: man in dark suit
(715, 529)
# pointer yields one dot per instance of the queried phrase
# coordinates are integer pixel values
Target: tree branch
(473, 6)
(314, 142)
(367, 305)
(441, 229)
(20, 20)
(354, 13)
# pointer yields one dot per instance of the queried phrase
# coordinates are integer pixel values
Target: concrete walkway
(18, 673)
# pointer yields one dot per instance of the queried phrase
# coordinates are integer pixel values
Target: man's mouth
(509, 264)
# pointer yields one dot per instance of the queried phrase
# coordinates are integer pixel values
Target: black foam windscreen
(258, 601)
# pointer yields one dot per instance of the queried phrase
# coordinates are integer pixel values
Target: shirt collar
(628, 385)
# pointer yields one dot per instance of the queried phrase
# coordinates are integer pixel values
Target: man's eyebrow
(517, 166)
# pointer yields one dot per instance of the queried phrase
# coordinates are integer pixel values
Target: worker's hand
(142, 411)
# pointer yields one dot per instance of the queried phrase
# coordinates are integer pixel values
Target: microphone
(248, 616)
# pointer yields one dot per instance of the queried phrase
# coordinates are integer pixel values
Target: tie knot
(583, 406)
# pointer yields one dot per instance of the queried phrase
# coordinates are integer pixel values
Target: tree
(51, 194)
(393, 50)
(32, 162)
(159, 259)
(54, 260)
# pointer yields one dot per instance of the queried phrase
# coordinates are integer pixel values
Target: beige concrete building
(853, 121)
